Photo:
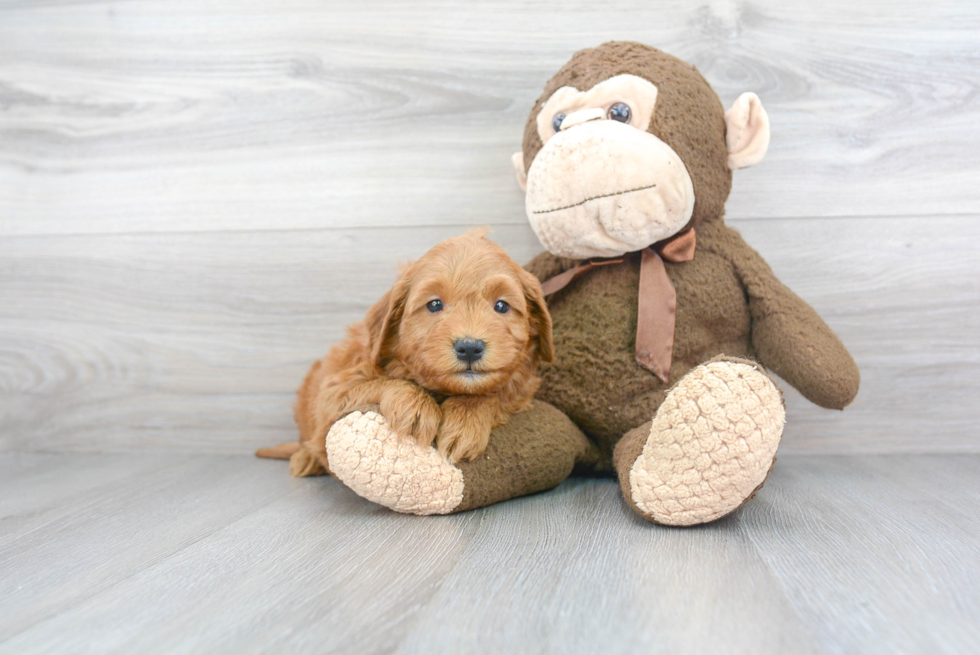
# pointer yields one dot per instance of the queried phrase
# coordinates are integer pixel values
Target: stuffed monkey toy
(666, 323)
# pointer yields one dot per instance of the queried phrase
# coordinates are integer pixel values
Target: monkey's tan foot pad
(367, 456)
(711, 444)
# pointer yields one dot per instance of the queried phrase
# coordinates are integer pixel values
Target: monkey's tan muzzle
(602, 188)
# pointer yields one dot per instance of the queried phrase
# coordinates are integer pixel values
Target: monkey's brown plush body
(728, 303)
(629, 149)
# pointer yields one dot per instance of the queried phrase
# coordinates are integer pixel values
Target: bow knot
(657, 305)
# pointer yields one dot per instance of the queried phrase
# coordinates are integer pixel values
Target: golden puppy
(449, 353)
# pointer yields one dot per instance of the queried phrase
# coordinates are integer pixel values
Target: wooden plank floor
(221, 554)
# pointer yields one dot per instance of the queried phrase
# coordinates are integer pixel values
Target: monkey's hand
(410, 411)
(800, 348)
(788, 335)
(466, 425)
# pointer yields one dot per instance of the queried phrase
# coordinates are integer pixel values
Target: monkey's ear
(539, 316)
(518, 160)
(383, 318)
(747, 133)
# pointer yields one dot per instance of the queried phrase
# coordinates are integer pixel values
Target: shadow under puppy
(448, 353)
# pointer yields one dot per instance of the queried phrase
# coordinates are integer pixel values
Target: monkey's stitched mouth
(605, 195)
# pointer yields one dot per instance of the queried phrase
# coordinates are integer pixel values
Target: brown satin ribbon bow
(657, 298)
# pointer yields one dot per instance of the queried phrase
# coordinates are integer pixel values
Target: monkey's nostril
(469, 350)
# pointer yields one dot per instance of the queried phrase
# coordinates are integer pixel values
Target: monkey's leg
(709, 448)
(535, 450)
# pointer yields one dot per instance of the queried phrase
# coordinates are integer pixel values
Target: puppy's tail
(301, 462)
(282, 451)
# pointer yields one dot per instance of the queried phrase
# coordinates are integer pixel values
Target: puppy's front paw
(411, 413)
(464, 433)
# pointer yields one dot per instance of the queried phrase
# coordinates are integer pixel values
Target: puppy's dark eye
(620, 112)
(434, 306)
(556, 121)
(501, 307)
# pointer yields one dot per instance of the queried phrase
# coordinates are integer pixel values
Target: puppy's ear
(539, 316)
(383, 319)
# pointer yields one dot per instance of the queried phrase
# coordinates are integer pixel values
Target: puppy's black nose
(469, 350)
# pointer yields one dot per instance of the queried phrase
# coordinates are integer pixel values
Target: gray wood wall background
(196, 197)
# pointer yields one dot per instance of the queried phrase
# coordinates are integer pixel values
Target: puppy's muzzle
(469, 350)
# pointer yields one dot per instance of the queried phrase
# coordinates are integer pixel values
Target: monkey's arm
(789, 336)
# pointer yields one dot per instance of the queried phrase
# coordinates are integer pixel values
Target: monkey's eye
(434, 306)
(501, 307)
(556, 121)
(620, 112)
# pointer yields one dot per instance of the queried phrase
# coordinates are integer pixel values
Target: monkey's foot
(367, 456)
(710, 447)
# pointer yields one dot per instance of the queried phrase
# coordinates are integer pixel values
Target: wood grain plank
(197, 341)
(37, 489)
(949, 480)
(870, 561)
(176, 116)
(577, 571)
(103, 536)
(317, 570)
(836, 555)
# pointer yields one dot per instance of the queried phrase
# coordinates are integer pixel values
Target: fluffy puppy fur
(403, 356)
